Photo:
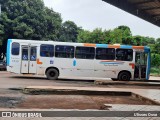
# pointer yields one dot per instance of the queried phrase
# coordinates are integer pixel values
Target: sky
(91, 14)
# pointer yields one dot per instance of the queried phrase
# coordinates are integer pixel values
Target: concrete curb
(37, 91)
(100, 82)
(145, 99)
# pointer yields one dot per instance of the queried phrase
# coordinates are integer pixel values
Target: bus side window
(85, 52)
(15, 48)
(63, 51)
(46, 50)
(105, 53)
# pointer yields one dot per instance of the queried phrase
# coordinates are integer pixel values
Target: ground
(12, 97)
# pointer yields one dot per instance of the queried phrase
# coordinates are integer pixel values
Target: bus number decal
(51, 62)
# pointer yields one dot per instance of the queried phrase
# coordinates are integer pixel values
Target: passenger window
(85, 52)
(62, 51)
(33, 53)
(25, 53)
(15, 48)
(137, 58)
(47, 51)
(124, 54)
(105, 53)
(144, 59)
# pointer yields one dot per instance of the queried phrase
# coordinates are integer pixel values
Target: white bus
(63, 59)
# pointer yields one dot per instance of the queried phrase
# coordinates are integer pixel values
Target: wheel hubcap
(52, 74)
(124, 77)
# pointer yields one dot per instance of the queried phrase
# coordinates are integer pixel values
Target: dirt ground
(75, 101)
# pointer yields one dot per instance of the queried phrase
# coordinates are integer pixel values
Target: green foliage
(155, 51)
(158, 41)
(119, 35)
(116, 36)
(28, 19)
(155, 71)
(155, 59)
(96, 36)
(125, 35)
(143, 41)
(155, 63)
(69, 32)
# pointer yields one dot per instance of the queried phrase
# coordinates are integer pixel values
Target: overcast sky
(91, 14)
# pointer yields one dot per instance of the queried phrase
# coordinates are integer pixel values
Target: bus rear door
(140, 65)
(29, 56)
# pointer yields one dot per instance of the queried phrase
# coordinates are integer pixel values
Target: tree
(95, 36)
(126, 35)
(69, 32)
(116, 36)
(158, 41)
(150, 40)
(138, 40)
(84, 36)
(157, 46)
(28, 19)
(128, 41)
(125, 30)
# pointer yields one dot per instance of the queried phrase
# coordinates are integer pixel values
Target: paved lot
(10, 98)
(154, 78)
(10, 80)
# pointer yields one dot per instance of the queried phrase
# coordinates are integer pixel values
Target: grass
(155, 71)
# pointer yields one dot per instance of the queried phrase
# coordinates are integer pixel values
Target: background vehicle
(2, 65)
(63, 59)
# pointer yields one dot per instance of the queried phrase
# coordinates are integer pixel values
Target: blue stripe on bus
(102, 45)
(8, 51)
(126, 46)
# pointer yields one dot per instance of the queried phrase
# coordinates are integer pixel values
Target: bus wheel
(124, 76)
(52, 74)
(114, 79)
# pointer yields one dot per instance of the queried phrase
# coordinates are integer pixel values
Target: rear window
(15, 48)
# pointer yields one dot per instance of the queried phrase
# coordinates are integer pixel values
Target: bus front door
(29, 56)
(140, 65)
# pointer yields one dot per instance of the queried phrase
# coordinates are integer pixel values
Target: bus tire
(124, 76)
(52, 74)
